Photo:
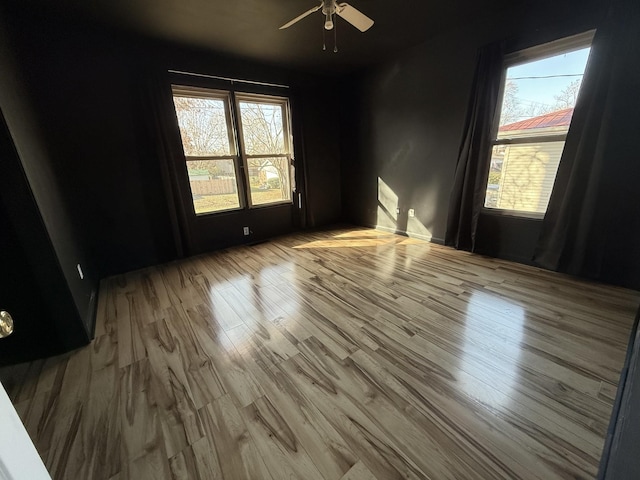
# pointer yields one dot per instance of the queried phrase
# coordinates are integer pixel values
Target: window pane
(213, 185)
(269, 179)
(262, 128)
(538, 101)
(539, 96)
(521, 176)
(203, 126)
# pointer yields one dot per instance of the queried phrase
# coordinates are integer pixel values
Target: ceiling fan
(330, 8)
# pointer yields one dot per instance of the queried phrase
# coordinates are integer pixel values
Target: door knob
(6, 324)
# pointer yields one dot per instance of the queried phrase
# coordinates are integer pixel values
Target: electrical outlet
(412, 212)
(80, 273)
(245, 230)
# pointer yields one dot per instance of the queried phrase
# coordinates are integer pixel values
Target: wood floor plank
(62, 458)
(106, 308)
(480, 362)
(223, 363)
(230, 440)
(96, 451)
(171, 392)
(357, 427)
(358, 472)
(490, 386)
(328, 450)
(185, 346)
(341, 354)
(518, 425)
(222, 313)
(392, 413)
(196, 462)
(531, 383)
(183, 466)
(283, 455)
(151, 465)
(139, 420)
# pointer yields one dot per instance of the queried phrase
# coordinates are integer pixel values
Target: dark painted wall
(406, 119)
(84, 81)
(511, 238)
(320, 115)
(33, 288)
(71, 96)
(28, 132)
(315, 115)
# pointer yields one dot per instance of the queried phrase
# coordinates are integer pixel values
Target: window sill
(512, 213)
(224, 213)
(272, 204)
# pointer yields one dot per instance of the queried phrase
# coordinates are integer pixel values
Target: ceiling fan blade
(300, 17)
(354, 17)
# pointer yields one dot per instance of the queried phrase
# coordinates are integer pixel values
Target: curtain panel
(158, 135)
(592, 224)
(474, 156)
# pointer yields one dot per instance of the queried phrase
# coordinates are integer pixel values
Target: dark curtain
(474, 156)
(300, 198)
(159, 149)
(592, 224)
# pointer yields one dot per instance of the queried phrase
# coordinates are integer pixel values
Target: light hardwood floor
(347, 354)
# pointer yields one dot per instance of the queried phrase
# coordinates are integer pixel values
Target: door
(18, 456)
(236, 176)
(35, 335)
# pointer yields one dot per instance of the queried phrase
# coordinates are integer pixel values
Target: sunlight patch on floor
(357, 242)
(492, 347)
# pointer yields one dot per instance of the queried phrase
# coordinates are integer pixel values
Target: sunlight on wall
(387, 206)
(415, 228)
(493, 334)
(387, 219)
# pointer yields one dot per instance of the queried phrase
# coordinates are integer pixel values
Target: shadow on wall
(393, 215)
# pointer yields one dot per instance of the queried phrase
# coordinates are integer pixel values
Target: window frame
(288, 142)
(231, 100)
(520, 57)
(225, 96)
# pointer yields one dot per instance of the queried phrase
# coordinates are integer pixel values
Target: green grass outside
(215, 203)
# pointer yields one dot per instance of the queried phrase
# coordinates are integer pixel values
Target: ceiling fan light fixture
(330, 8)
(328, 24)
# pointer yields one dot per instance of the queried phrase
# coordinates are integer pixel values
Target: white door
(18, 456)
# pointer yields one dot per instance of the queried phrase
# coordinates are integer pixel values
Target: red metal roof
(561, 118)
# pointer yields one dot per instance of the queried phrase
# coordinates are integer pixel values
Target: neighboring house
(521, 176)
(547, 124)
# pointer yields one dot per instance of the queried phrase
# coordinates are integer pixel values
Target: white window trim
(288, 141)
(231, 100)
(538, 52)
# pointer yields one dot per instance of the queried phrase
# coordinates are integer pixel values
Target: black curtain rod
(232, 80)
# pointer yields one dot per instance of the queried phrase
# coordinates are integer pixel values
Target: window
(540, 90)
(204, 119)
(224, 134)
(266, 148)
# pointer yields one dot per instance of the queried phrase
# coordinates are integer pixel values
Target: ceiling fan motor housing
(328, 9)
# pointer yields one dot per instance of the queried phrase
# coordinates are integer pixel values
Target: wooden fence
(214, 186)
